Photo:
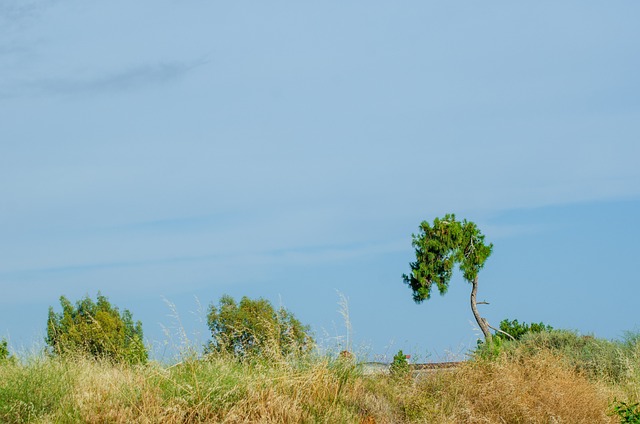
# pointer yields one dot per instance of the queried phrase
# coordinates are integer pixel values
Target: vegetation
(96, 329)
(598, 359)
(260, 366)
(253, 328)
(399, 368)
(627, 413)
(516, 330)
(438, 248)
(4, 351)
(529, 381)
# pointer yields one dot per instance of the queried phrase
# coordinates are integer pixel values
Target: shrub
(400, 366)
(96, 329)
(501, 341)
(255, 328)
(517, 330)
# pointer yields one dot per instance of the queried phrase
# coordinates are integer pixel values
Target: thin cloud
(266, 258)
(133, 78)
(15, 11)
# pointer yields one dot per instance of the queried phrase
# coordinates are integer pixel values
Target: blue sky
(181, 150)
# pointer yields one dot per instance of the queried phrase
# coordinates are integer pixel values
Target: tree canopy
(438, 248)
(97, 329)
(254, 327)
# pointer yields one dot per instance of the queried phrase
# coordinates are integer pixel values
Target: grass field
(556, 377)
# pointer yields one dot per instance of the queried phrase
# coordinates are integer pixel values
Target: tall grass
(612, 362)
(538, 389)
(561, 378)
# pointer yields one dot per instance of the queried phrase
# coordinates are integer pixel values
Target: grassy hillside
(557, 377)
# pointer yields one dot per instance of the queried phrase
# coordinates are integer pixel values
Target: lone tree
(439, 247)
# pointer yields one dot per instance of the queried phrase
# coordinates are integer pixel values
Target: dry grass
(217, 390)
(536, 388)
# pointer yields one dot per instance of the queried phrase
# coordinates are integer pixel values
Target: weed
(628, 413)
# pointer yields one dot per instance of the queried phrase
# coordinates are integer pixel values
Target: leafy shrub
(255, 328)
(96, 329)
(400, 366)
(517, 330)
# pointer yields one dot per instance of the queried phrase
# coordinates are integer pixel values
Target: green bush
(400, 366)
(517, 330)
(96, 329)
(254, 328)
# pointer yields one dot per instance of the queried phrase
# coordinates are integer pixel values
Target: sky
(168, 152)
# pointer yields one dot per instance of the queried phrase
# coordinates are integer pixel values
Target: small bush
(400, 366)
(96, 329)
(517, 330)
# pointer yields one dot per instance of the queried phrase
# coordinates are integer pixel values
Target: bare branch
(503, 332)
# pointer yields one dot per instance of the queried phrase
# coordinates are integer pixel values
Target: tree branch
(503, 332)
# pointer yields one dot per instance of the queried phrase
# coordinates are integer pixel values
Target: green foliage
(628, 413)
(254, 328)
(438, 248)
(517, 330)
(400, 366)
(96, 329)
(4, 351)
(490, 350)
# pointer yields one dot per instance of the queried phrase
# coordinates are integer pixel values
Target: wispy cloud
(305, 255)
(167, 274)
(132, 78)
(13, 11)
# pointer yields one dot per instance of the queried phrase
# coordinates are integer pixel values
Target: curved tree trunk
(484, 326)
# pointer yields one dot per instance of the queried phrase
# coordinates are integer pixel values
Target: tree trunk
(484, 326)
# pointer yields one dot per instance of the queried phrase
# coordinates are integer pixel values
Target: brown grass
(536, 389)
(539, 388)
